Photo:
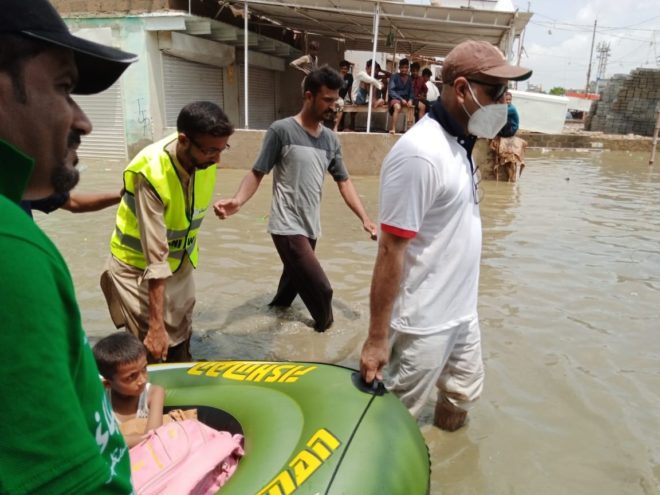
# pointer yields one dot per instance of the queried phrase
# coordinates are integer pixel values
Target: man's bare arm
(384, 288)
(249, 185)
(83, 202)
(352, 199)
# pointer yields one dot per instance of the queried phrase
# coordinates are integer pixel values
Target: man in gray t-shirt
(300, 149)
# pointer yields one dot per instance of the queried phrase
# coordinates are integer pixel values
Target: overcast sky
(558, 38)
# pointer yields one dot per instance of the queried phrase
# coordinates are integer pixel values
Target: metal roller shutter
(108, 138)
(262, 85)
(186, 81)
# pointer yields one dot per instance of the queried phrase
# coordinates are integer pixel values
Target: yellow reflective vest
(182, 220)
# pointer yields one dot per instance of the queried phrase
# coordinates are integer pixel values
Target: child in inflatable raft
(178, 458)
(122, 362)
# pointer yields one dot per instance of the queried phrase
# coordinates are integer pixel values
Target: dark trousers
(302, 275)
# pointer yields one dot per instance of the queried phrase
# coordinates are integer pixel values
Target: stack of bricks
(627, 105)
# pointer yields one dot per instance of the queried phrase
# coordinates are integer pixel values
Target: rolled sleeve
(157, 270)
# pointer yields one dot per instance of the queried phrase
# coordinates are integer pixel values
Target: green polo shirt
(57, 431)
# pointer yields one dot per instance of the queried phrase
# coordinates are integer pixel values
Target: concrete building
(182, 58)
(195, 49)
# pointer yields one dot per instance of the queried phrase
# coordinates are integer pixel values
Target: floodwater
(569, 305)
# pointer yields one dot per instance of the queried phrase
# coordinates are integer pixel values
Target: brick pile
(627, 104)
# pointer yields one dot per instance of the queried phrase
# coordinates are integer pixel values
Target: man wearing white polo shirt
(424, 288)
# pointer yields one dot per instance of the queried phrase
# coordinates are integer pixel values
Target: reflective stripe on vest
(135, 244)
(155, 165)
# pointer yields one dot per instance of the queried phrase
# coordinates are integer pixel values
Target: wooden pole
(373, 63)
(246, 66)
(591, 56)
(521, 42)
(655, 134)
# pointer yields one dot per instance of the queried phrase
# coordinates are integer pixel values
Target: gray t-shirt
(300, 161)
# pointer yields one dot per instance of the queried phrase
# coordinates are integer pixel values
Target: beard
(328, 118)
(65, 176)
(203, 165)
(196, 164)
(329, 115)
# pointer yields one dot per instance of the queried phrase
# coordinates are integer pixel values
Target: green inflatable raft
(310, 428)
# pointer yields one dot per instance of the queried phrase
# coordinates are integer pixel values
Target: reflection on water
(569, 303)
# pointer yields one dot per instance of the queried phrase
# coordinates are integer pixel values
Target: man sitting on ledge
(509, 150)
(361, 85)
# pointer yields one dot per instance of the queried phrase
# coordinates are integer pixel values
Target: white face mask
(487, 121)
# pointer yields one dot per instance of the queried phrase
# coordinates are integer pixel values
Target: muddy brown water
(569, 305)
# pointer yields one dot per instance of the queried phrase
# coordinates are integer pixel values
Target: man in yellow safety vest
(169, 185)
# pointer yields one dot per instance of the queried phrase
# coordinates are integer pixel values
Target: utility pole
(655, 133)
(603, 50)
(521, 40)
(591, 57)
(521, 45)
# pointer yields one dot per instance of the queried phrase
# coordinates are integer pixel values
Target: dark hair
(203, 117)
(115, 349)
(15, 51)
(344, 63)
(313, 44)
(414, 65)
(427, 72)
(369, 62)
(403, 62)
(325, 76)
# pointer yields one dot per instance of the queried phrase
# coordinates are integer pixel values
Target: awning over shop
(425, 30)
(416, 29)
(413, 29)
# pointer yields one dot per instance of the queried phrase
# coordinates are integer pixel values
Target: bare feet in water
(448, 417)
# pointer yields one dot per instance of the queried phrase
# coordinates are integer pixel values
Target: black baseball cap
(99, 66)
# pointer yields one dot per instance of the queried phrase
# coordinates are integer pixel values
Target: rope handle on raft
(377, 387)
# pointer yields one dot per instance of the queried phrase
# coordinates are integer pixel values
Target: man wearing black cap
(57, 433)
(424, 319)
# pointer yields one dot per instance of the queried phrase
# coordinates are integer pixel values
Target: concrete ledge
(66, 7)
(363, 153)
(363, 109)
(594, 140)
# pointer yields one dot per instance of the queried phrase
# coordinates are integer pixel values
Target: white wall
(540, 112)
(581, 104)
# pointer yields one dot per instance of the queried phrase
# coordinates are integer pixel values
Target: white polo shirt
(426, 194)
